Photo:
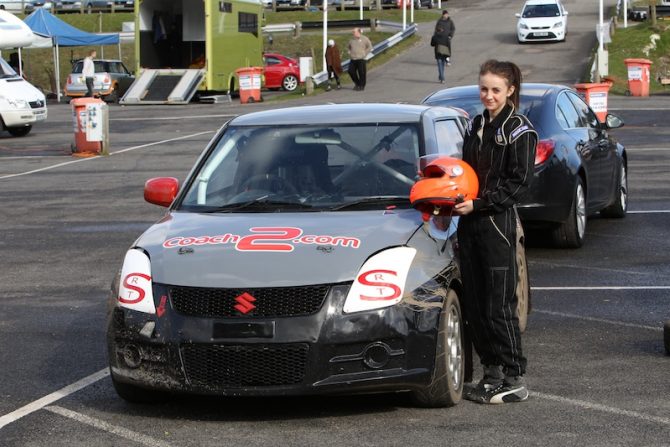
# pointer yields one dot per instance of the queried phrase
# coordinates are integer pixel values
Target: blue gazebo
(62, 34)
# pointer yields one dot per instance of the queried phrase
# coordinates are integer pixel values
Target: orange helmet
(445, 182)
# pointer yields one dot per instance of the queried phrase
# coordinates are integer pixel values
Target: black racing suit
(502, 153)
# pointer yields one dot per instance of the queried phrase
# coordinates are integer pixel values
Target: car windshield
(473, 105)
(306, 168)
(549, 10)
(6, 71)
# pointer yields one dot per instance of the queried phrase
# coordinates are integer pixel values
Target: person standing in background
(333, 63)
(359, 47)
(446, 29)
(88, 71)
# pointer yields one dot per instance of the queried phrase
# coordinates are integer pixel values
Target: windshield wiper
(258, 204)
(376, 200)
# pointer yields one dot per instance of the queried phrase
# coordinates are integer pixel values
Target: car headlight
(381, 280)
(558, 25)
(135, 283)
(523, 26)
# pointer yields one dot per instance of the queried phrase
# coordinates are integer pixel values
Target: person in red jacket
(333, 64)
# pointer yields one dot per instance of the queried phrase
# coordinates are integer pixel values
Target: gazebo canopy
(45, 24)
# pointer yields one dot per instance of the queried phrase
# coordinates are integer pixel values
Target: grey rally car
(290, 262)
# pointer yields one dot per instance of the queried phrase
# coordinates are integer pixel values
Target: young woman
(500, 146)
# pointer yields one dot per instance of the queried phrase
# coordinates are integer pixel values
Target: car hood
(278, 249)
(18, 88)
(535, 22)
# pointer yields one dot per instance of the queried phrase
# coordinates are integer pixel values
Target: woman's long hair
(508, 71)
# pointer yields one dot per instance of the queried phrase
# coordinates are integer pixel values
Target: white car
(21, 104)
(542, 20)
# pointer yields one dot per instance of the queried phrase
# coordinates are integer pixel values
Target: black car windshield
(549, 10)
(319, 167)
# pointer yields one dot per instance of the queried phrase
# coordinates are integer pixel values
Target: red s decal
(130, 282)
(254, 242)
(379, 282)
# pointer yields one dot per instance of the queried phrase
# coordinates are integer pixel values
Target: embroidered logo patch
(518, 131)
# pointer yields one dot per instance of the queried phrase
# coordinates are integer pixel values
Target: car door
(604, 151)
(570, 120)
(273, 73)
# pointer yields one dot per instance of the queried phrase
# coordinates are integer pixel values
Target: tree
(652, 12)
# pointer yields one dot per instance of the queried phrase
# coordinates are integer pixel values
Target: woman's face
(493, 93)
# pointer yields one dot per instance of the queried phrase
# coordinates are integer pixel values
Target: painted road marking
(53, 397)
(597, 320)
(604, 288)
(105, 426)
(612, 410)
(142, 146)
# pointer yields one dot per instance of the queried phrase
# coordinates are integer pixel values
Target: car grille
(36, 104)
(245, 365)
(539, 27)
(269, 302)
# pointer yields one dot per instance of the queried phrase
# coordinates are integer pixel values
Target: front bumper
(544, 35)
(23, 117)
(324, 352)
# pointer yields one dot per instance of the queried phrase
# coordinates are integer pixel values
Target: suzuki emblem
(244, 303)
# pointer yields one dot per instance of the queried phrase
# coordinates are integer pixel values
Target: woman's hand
(464, 208)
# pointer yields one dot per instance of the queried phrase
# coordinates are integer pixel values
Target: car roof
(334, 114)
(541, 2)
(527, 89)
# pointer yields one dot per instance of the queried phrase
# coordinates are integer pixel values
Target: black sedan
(580, 169)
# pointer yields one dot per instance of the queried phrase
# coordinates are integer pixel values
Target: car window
(78, 67)
(100, 66)
(449, 138)
(321, 166)
(586, 115)
(566, 113)
(269, 60)
(548, 10)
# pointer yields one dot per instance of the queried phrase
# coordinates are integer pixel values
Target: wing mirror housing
(161, 191)
(613, 121)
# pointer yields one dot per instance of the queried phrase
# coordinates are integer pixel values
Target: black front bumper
(324, 352)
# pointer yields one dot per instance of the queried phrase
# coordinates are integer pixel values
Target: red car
(281, 72)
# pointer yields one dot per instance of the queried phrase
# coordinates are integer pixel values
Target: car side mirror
(161, 191)
(613, 121)
(565, 13)
(517, 15)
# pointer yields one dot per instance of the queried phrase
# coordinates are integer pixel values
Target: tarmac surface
(597, 371)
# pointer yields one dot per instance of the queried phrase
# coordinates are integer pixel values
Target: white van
(21, 104)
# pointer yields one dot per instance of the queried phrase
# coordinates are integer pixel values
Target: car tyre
(666, 337)
(289, 83)
(620, 205)
(19, 131)
(112, 97)
(446, 385)
(137, 395)
(570, 234)
(522, 286)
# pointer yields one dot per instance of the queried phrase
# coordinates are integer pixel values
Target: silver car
(112, 79)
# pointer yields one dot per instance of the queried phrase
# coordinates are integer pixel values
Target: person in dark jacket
(441, 45)
(500, 145)
(333, 63)
(446, 28)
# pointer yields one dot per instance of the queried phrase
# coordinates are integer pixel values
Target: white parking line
(605, 408)
(597, 320)
(649, 212)
(48, 168)
(102, 425)
(53, 397)
(604, 288)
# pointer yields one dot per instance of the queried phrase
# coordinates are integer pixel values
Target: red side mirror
(161, 190)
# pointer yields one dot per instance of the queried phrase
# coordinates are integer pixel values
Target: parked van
(21, 104)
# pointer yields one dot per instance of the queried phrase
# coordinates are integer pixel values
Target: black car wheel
(446, 386)
(289, 83)
(113, 97)
(620, 205)
(19, 131)
(570, 234)
(137, 395)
